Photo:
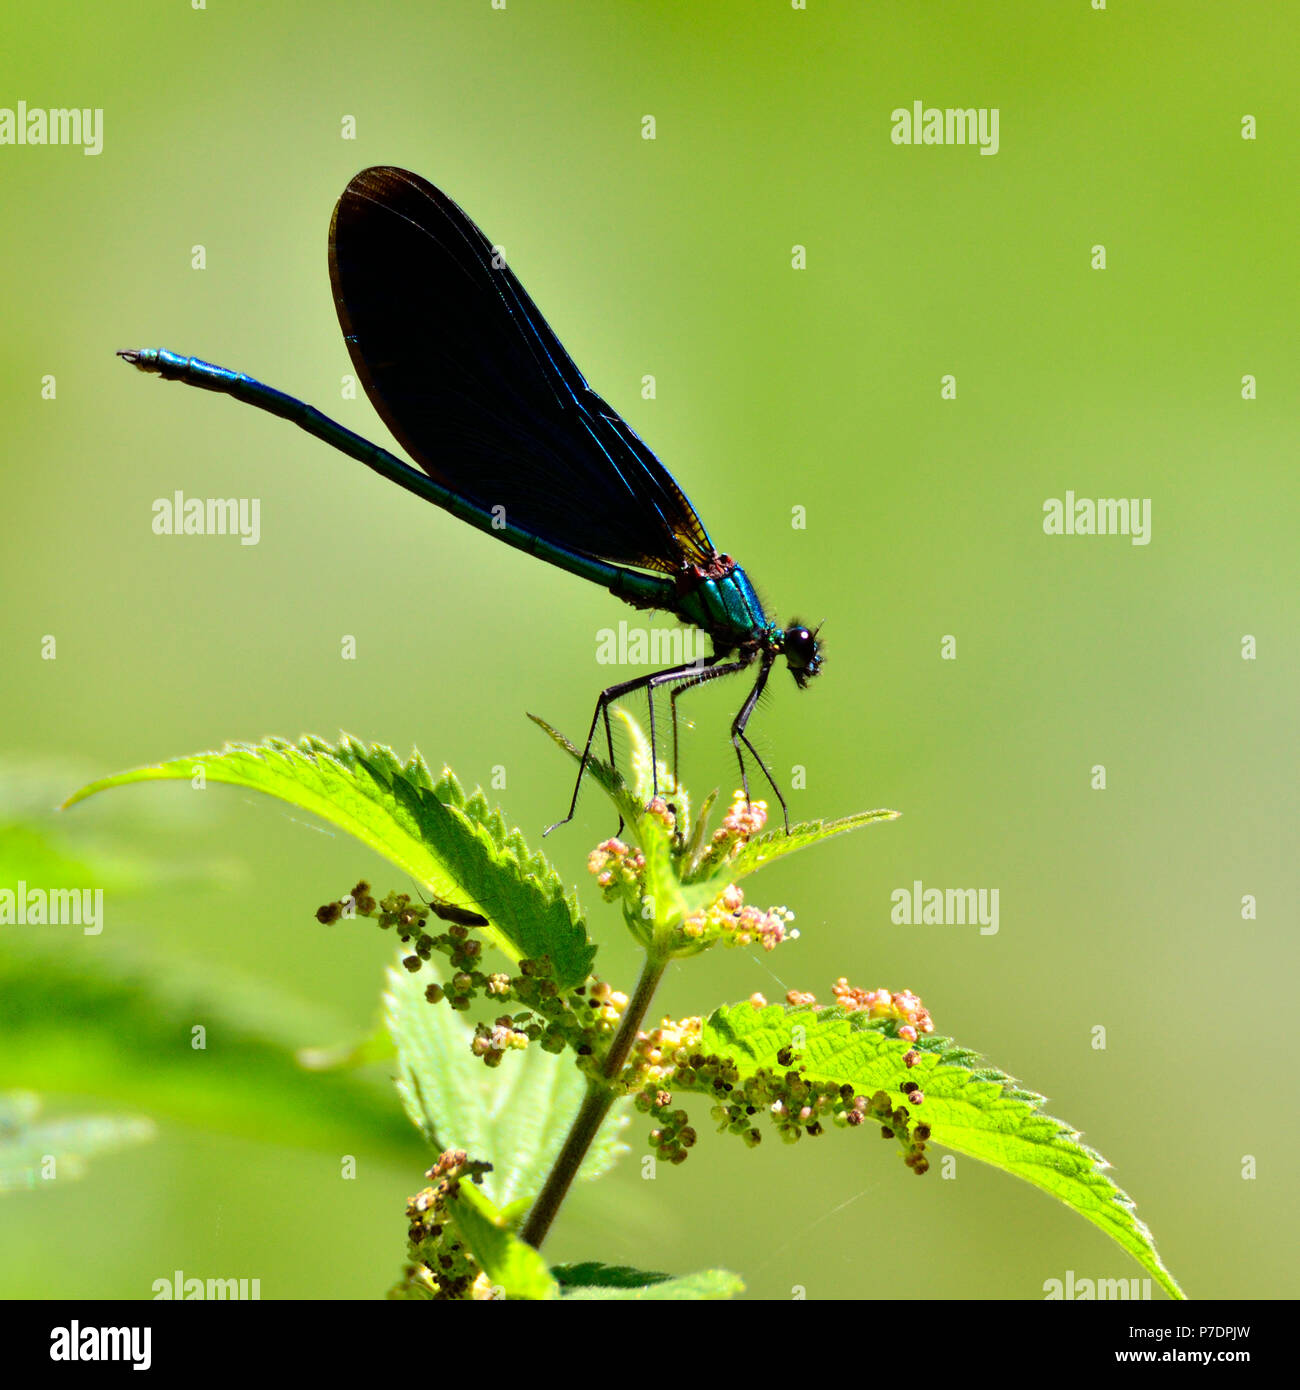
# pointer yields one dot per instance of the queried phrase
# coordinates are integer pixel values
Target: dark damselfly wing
(476, 387)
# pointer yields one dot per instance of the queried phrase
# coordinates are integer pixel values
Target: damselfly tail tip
(131, 355)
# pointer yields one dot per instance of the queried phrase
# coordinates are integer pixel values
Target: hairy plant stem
(595, 1106)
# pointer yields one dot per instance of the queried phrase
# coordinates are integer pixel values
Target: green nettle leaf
(514, 1116)
(971, 1108)
(120, 1026)
(513, 1267)
(649, 777)
(456, 846)
(36, 1153)
(592, 1281)
(667, 901)
(696, 840)
(763, 849)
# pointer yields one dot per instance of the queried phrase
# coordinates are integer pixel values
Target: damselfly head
(803, 653)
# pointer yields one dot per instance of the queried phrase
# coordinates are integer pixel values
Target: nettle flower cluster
(440, 1265)
(583, 1018)
(670, 1057)
(620, 871)
(902, 1011)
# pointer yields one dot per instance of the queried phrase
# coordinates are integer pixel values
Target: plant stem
(651, 973)
(595, 1106)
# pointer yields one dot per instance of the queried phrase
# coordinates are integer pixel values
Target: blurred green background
(776, 388)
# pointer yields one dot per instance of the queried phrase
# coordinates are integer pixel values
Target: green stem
(651, 973)
(595, 1106)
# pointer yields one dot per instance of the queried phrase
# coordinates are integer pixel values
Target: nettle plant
(536, 1091)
